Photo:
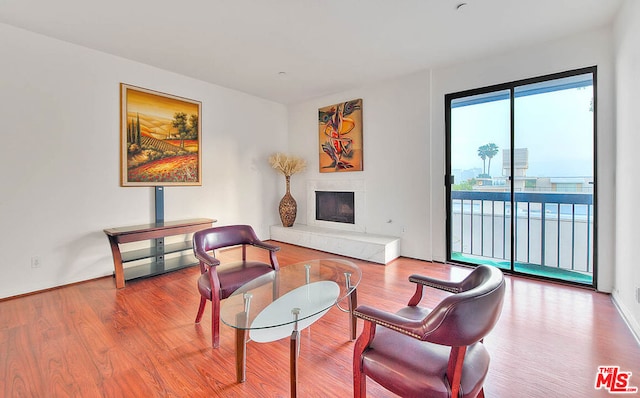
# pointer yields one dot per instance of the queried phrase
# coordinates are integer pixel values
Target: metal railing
(551, 229)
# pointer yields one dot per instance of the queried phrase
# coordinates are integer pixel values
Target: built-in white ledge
(375, 248)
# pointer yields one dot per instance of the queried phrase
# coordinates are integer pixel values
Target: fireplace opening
(335, 206)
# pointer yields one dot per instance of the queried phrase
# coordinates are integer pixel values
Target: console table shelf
(154, 268)
(149, 252)
(155, 233)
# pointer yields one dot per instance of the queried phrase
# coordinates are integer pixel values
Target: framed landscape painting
(159, 138)
(340, 137)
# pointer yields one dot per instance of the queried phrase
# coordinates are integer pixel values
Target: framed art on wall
(160, 139)
(340, 137)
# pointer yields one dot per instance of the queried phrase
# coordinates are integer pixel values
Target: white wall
(404, 140)
(627, 275)
(59, 106)
(396, 161)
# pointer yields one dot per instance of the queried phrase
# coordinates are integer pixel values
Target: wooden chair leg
(215, 324)
(359, 385)
(203, 303)
(215, 333)
(360, 378)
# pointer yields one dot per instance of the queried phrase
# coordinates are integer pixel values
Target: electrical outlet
(35, 262)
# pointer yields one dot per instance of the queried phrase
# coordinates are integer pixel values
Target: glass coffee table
(281, 303)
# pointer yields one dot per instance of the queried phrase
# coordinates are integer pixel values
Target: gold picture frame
(160, 139)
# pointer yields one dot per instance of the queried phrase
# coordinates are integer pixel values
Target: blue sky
(556, 127)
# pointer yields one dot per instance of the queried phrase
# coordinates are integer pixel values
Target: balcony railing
(551, 229)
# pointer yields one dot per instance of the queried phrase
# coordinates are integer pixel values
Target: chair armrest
(266, 246)
(271, 248)
(407, 326)
(206, 259)
(449, 286)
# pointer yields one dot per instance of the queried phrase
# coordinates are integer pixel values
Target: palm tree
(492, 150)
(482, 152)
(487, 151)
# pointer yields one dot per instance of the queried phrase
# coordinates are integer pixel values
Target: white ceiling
(324, 46)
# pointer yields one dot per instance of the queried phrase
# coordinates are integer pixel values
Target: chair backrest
(218, 237)
(468, 316)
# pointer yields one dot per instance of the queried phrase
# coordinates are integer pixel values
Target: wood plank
(157, 230)
(91, 340)
(156, 226)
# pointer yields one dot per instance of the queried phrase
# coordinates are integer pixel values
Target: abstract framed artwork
(340, 137)
(160, 139)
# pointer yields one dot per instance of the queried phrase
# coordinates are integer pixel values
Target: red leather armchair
(418, 352)
(217, 281)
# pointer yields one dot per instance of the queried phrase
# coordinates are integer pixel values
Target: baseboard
(627, 316)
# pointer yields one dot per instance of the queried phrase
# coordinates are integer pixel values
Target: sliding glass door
(521, 167)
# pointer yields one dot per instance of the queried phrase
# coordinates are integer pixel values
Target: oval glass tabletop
(269, 305)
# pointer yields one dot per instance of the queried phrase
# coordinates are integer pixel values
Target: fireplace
(343, 238)
(346, 199)
(335, 206)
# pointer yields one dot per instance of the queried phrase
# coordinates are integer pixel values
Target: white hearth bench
(370, 247)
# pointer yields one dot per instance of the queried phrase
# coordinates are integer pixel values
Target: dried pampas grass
(286, 164)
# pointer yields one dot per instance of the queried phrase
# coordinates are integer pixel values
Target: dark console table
(153, 258)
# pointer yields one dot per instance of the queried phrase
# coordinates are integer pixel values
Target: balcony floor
(529, 269)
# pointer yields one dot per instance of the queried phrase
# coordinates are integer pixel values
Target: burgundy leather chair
(418, 352)
(217, 281)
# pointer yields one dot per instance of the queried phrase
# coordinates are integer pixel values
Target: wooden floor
(91, 340)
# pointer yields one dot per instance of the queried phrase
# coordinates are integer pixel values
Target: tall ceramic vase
(288, 207)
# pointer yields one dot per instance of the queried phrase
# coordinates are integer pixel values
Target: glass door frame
(448, 180)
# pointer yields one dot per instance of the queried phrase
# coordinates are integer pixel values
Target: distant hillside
(160, 128)
(158, 144)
